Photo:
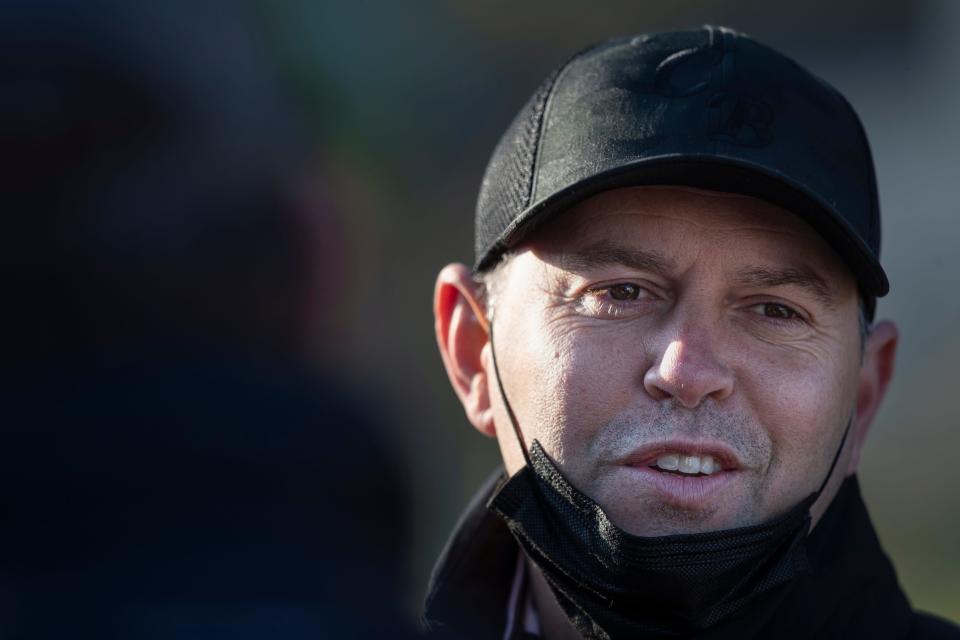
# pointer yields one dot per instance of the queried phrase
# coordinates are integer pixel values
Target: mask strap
(836, 457)
(506, 403)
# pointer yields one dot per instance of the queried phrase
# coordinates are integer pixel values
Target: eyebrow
(795, 277)
(604, 254)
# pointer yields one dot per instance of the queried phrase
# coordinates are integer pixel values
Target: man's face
(649, 331)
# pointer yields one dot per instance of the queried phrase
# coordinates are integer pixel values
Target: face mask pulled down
(613, 585)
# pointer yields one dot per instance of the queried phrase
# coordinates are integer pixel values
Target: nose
(689, 371)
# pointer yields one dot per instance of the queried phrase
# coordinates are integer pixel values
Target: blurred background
(223, 222)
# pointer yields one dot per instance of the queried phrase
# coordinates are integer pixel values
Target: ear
(875, 374)
(462, 334)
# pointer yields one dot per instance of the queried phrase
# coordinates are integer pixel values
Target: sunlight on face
(688, 358)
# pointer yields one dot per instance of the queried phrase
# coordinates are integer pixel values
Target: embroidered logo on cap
(731, 116)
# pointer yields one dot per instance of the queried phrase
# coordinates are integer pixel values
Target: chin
(645, 502)
(666, 520)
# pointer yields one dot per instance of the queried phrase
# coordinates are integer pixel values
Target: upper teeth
(688, 464)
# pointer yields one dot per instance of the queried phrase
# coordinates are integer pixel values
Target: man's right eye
(621, 299)
(624, 291)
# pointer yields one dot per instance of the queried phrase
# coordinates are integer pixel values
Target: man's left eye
(776, 311)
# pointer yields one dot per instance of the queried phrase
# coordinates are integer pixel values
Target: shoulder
(930, 627)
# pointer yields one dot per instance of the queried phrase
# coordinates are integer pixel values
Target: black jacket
(852, 591)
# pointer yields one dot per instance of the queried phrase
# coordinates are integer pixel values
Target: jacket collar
(469, 588)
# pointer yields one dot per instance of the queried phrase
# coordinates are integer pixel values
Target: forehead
(687, 225)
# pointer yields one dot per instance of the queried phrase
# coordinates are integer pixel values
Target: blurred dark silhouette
(175, 458)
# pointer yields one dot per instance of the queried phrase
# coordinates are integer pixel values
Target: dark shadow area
(177, 456)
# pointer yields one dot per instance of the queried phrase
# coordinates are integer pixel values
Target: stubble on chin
(741, 505)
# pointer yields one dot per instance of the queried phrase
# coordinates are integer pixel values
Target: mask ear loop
(506, 402)
(487, 325)
(833, 464)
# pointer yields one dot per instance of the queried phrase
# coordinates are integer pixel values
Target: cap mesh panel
(508, 181)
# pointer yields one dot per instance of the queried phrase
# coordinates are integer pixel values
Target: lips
(684, 473)
(685, 457)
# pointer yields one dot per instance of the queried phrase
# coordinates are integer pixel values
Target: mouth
(685, 474)
(684, 464)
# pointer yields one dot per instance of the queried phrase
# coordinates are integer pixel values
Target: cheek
(804, 408)
(592, 381)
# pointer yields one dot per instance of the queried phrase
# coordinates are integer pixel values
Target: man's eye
(624, 291)
(623, 299)
(776, 311)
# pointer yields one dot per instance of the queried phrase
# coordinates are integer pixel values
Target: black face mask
(613, 585)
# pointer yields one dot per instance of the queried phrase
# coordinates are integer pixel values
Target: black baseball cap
(708, 108)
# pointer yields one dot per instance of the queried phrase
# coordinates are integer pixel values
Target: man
(669, 332)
